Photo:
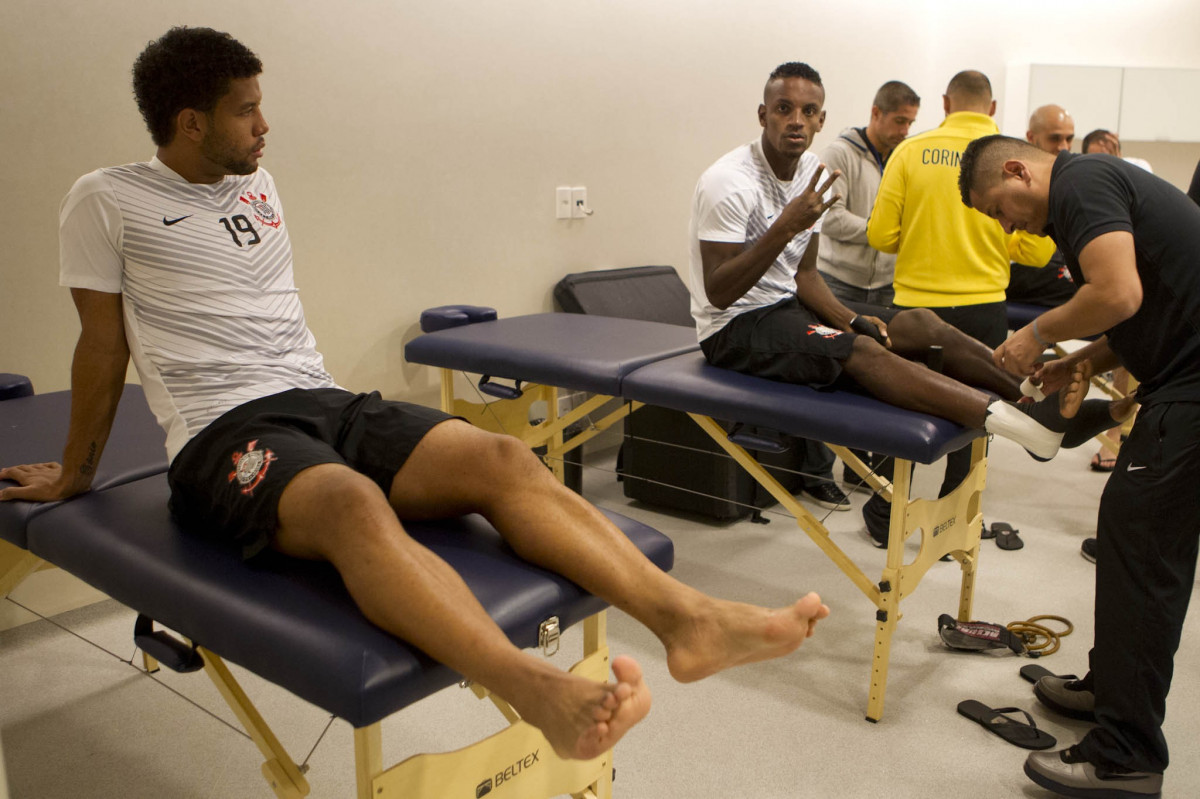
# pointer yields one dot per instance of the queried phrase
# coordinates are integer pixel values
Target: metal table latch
(548, 634)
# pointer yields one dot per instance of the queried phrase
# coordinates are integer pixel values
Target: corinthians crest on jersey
(250, 467)
(263, 212)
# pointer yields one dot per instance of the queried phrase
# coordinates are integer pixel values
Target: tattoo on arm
(89, 465)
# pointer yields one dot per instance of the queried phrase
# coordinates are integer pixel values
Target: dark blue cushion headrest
(13, 386)
(446, 316)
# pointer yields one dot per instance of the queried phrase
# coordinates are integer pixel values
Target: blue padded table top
(689, 383)
(574, 351)
(33, 429)
(292, 621)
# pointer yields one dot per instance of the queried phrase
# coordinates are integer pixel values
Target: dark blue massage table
(658, 364)
(292, 622)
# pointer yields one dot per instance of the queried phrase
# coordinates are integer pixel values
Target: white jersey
(736, 200)
(212, 314)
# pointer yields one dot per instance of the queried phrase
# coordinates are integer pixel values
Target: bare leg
(910, 385)
(967, 360)
(332, 513)
(458, 469)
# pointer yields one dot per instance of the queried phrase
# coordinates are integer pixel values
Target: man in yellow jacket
(947, 260)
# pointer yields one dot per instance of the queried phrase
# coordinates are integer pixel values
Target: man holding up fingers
(761, 307)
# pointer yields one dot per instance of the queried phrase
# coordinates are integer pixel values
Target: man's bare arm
(1112, 294)
(731, 269)
(97, 380)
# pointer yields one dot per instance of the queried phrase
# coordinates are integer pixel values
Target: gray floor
(77, 722)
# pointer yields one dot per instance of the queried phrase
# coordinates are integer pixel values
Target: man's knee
(495, 457)
(917, 320)
(866, 355)
(917, 329)
(323, 504)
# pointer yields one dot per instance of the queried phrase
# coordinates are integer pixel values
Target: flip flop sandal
(1006, 536)
(1103, 462)
(1033, 672)
(986, 532)
(1024, 734)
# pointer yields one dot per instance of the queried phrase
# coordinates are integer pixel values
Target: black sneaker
(1068, 773)
(1088, 549)
(827, 495)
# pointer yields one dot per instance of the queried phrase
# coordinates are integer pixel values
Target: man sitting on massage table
(184, 263)
(761, 306)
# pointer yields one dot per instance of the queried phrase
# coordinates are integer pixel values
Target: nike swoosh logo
(1132, 468)
(169, 222)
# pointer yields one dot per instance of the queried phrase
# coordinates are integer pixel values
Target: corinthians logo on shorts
(823, 331)
(263, 212)
(251, 466)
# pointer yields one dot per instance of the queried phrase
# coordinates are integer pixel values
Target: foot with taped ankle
(583, 719)
(1008, 420)
(1088, 418)
(1066, 413)
(723, 634)
(1071, 396)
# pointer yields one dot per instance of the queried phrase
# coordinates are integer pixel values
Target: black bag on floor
(666, 458)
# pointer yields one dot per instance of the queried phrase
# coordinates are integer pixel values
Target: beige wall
(417, 145)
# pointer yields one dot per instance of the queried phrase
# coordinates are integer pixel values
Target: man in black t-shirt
(1132, 243)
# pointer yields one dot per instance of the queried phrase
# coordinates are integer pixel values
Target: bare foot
(1070, 397)
(583, 719)
(731, 633)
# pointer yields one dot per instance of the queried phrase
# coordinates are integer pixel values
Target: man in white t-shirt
(739, 198)
(183, 264)
(761, 307)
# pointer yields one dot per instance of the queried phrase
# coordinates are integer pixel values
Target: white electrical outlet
(562, 202)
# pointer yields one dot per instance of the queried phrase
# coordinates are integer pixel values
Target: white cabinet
(1140, 103)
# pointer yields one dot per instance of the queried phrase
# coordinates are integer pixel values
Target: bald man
(948, 259)
(1051, 130)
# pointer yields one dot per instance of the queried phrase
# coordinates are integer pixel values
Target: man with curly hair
(184, 264)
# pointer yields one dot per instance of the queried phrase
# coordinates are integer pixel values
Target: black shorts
(226, 482)
(784, 342)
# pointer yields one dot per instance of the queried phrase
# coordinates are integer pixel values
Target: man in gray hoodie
(853, 270)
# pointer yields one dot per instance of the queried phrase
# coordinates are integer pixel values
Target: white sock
(1030, 389)
(1009, 422)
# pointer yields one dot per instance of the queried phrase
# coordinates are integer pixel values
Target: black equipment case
(666, 459)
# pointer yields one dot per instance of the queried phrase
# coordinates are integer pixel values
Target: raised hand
(805, 209)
